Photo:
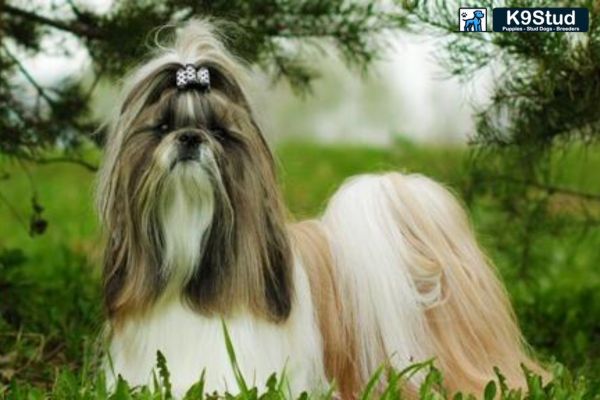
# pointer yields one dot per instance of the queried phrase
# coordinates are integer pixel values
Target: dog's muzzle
(188, 146)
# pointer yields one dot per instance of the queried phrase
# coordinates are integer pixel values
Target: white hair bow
(189, 76)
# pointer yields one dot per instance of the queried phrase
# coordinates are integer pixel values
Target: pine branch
(76, 27)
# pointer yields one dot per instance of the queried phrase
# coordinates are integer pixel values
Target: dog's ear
(118, 291)
(266, 229)
(131, 277)
(247, 257)
(131, 273)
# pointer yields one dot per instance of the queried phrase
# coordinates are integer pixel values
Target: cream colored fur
(416, 284)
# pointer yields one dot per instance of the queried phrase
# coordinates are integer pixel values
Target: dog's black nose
(189, 139)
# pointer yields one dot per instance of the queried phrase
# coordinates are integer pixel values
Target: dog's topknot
(198, 42)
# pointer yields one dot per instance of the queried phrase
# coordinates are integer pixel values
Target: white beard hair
(186, 214)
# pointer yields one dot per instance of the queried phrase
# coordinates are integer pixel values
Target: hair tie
(190, 76)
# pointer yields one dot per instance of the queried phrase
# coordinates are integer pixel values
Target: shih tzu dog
(390, 274)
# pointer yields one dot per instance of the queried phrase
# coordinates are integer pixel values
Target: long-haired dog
(391, 273)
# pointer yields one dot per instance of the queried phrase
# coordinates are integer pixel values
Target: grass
(50, 307)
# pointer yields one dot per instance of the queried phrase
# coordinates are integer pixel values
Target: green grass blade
(196, 392)
(239, 377)
(370, 387)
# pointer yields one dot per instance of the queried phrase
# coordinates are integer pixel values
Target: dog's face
(201, 132)
(189, 197)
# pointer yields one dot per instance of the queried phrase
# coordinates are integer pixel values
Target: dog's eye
(163, 128)
(219, 133)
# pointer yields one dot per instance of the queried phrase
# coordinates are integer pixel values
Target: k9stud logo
(472, 19)
(541, 19)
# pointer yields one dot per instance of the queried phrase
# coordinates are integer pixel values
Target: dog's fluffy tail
(415, 284)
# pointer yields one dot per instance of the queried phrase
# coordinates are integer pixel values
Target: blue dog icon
(473, 24)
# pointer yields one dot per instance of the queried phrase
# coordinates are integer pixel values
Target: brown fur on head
(244, 256)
